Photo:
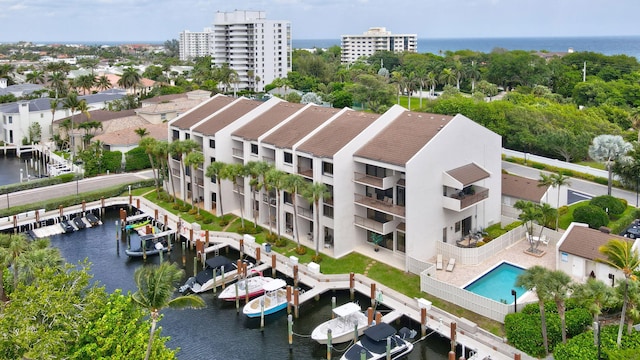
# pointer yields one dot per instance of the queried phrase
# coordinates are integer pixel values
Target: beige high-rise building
(376, 39)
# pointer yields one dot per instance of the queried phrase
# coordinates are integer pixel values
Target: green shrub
(594, 216)
(582, 346)
(67, 177)
(538, 166)
(563, 210)
(609, 204)
(137, 159)
(112, 161)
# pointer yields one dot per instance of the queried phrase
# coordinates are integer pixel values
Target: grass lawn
(405, 283)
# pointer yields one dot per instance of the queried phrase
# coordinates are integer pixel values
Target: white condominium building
(259, 50)
(376, 39)
(195, 44)
(402, 182)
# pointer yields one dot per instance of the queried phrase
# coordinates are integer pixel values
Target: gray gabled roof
(21, 88)
(44, 104)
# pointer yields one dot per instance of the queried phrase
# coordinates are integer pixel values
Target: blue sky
(160, 20)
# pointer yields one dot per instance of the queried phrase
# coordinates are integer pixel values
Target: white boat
(273, 300)
(343, 325)
(377, 339)
(251, 287)
(212, 274)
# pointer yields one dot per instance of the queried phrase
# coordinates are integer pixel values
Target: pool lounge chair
(439, 262)
(451, 264)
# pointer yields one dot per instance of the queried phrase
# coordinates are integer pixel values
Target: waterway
(218, 331)
(11, 165)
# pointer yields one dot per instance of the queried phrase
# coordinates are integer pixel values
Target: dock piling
(296, 302)
(328, 344)
(333, 306)
(352, 285)
(237, 298)
(373, 295)
(273, 265)
(289, 299)
(290, 330)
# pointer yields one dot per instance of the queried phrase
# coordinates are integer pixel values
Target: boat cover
(217, 261)
(380, 332)
(346, 309)
(274, 285)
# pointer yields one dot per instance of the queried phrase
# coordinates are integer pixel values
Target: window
(327, 168)
(187, 136)
(458, 224)
(10, 119)
(212, 144)
(175, 135)
(327, 211)
(163, 117)
(400, 241)
(400, 198)
(254, 149)
(287, 198)
(444, 234)
(288, 158)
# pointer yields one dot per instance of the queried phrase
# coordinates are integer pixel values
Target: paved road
(581, 186)
(70, 188)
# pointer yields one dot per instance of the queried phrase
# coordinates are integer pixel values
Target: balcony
(374, 225)
(238, 153)
(374, 181)
(386, 207)
(269, 160)
(460, 201)
(305, 171)
(305, 213)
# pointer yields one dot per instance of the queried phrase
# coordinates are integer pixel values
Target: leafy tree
(621, 255)
(372, 91)
(592, 215)
(627, 167)
(608, 149)
(156, 285)
(130, 79)
(595, 296)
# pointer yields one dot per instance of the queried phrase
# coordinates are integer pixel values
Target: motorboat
(137, 225)
(79, 223)
(377, 340)
(149, 245)
(67, 227)
(93, 220)
(214, 268)
(273, 300)
(348, 317)
(250, 287)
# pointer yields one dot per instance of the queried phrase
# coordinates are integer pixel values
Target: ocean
(609, 45)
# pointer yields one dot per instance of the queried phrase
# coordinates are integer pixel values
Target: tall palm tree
(633, 304)
(180, 149)
(275, 179)
(316, 192)
(594, 295)
(161, 151)
(84, 109)
(193, 160)
(559, 285)
(216, 169)
(448, 76)
(535, 279)
(295, 185)
(71, 103)
(558, 181)
(35, 77)
(236, 173)
(432, 82)
(86, 82)
(545, 181)
(149, 144)
(54, 103)
(621, 255)
(256, 170)
(103, 83)
(473, 73)
(156, 285)
(57, 81)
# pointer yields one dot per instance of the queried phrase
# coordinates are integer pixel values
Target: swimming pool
(497, 283)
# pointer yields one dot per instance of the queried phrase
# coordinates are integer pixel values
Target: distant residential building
(376, 39)
(257, 49)
(195, 44)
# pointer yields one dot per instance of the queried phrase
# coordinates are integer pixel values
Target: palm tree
(316, 192)
(54, 103)
(39, 256)
(448, 76)
(193, 160)
(86, 82)
(594, 295)
(536, 279)
(156, 285)
(236, 173)
(130, 79)
(473, 73)
(557, 181)
(558, 285)
(84, 109)
(58, 83)
(71, 103)
(295, 184)
(149, 144)
(432, 81)
(179, 148)
(256, 170)
(35, 77)
(161, 151)
(103, 83)
(216, 170)
(275, 179)
(633, 304)
(621, 255)
(545, 181)
(142, 132)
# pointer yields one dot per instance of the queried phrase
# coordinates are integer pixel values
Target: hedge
(137, 159)
(582, 346)
(610, 204)
(592, 215)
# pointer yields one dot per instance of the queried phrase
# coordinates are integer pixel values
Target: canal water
(217, 331)
(11, 165)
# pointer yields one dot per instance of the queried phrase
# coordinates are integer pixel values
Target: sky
(160, 20)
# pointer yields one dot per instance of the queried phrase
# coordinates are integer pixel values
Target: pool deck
(515, 254)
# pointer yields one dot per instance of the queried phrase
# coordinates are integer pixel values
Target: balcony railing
(269, 159)
(239, 153)
(305, 171)
(304, 212)
(374, 181)
(383, 228)
(383, 206)
(459, 202)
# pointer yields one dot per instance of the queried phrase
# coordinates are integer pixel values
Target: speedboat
(67, 227)
(214, 268)
(377, 340)
(79, 223)
(273, 300)
(250, 287)
(137, 225)
(93, 220)
(348, 318)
